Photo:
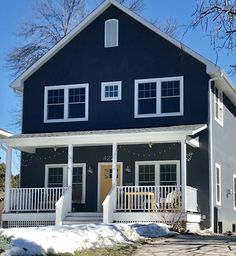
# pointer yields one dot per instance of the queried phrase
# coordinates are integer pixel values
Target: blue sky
(13, 12)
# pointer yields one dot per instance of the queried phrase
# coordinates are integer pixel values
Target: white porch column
(8, 179)
(70, 171)
(114, 163)
(184, 174)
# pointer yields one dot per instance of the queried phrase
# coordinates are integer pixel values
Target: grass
(114, 251)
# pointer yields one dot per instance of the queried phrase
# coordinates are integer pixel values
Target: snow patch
(68, 239)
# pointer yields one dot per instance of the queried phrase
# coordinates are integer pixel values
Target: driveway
(190, 245)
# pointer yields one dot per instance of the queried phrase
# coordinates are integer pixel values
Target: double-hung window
(218, 105)
(218, 183)
(159, 97)
(66, 103)
(153, 173)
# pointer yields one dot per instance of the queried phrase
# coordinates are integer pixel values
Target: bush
(5, 243)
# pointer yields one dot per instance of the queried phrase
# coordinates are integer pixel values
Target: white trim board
(102, 138)
(18, 84)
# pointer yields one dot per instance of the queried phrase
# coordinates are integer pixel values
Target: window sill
(66, 120)
(158, 115)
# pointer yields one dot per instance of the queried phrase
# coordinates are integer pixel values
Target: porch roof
(104, 137)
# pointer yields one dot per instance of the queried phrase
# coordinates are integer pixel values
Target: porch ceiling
(103, 137)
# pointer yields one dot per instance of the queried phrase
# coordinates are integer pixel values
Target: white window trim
(64, 166)
(66, 103)
(104, 84)
(234, 206)
(220, 105)
(158, 97)
(157, 170)
(117, 34)
(217, 166)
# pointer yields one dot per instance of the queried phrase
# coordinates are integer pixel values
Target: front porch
(139, 193)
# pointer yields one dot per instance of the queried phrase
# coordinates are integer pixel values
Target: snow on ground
(62, 239)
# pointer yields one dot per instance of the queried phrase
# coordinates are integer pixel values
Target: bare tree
(52, 21)
(170, 26)
(134, 5)
(218, 19)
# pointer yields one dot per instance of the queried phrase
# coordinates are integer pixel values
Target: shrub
(4, 243)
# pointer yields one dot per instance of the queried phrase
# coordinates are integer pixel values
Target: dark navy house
(122, 123)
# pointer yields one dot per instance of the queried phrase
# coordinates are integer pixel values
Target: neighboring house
(3, 134)
(120, 113)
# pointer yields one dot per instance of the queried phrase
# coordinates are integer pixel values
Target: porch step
(83, 218)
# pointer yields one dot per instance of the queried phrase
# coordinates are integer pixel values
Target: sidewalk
(190, 245)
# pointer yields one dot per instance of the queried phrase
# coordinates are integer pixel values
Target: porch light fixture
(150, 144)
(90, 170)
(55, 148)
(128, 169)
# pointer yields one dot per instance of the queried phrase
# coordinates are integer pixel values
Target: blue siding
(141, 54)
(224, 154)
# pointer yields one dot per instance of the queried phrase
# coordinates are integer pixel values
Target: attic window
(111, 33)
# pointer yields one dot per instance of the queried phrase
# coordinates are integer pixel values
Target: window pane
(111, 91)
(55, 177)
(76, 107)
(77, 186)
(170, 105)
(55, 104)
(147, 175)
(170, 96)
(55, 111)
(168, 174)
(76, 110)
(147, 106)
(147, 98)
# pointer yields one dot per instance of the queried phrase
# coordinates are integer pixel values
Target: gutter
(211, 168)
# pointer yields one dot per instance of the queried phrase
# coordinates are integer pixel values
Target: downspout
(211, 168)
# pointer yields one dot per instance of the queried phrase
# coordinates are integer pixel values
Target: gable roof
(212, 69)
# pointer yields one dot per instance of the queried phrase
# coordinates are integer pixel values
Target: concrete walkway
(190, 245)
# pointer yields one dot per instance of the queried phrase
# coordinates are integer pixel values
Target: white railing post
(183, 174)
(70, 173)
(63, 206)
(109, 206)
(114, 164)
(8, 179)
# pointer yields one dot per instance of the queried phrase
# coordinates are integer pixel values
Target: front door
(106, 179)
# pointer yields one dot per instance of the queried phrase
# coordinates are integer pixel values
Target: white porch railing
(191, 199)
(34, 199)
(154, 198)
